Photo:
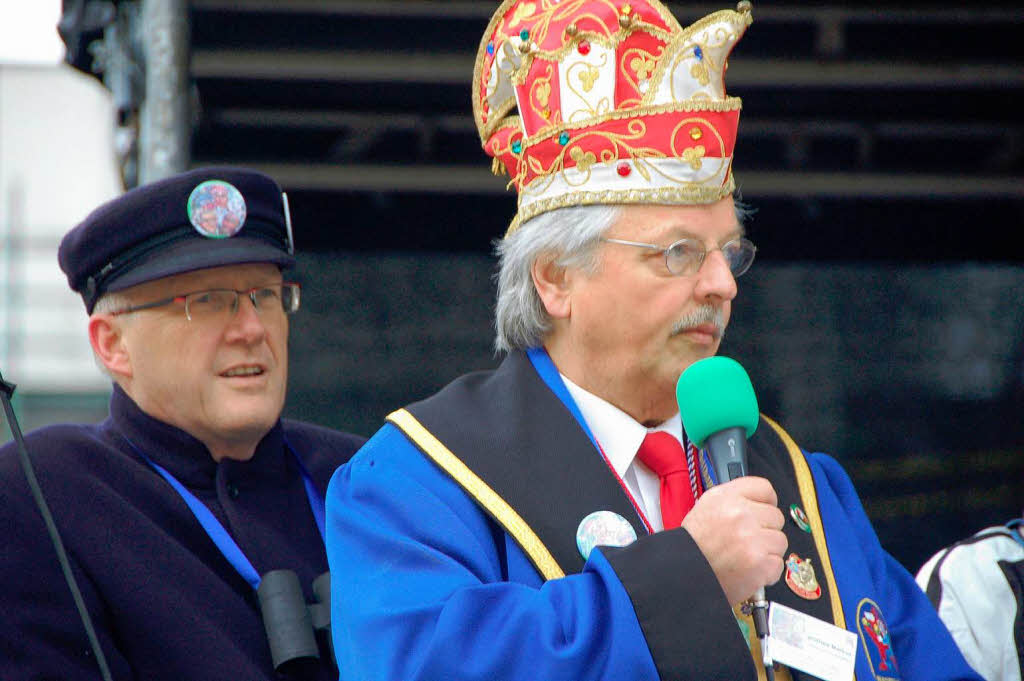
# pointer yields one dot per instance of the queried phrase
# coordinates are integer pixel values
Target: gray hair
(107, 303)
(571, 236)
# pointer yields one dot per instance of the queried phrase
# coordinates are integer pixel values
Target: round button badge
(603, 528)
(216, 209)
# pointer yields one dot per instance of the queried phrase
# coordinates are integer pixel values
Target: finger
(773, 570)
(754, 488)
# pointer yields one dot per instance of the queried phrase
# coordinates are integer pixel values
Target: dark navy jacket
(165, 603)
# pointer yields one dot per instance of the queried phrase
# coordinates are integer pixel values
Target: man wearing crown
(550, 519)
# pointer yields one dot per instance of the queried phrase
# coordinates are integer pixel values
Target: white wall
(57, 163)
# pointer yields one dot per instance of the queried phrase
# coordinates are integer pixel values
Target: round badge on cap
(603, 528)
(216, 209)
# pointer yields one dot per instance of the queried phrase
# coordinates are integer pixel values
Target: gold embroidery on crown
(583, 159)
(588, 77)
(718, 106)
(700, 73)
(542, 89)
(523, 11)
(587, 74)
(636, 59)
(693, 156)
(643, 67)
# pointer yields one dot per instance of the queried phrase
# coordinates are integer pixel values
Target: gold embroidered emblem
(643, 67)
(583, 159)
(693, 156)
(696, 134)
(522, 12)
(700, 72)
(542, 93)
(588, 78)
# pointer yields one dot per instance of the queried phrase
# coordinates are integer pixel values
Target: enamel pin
(800, 577)
(800, 518)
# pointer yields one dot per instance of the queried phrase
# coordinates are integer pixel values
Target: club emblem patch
(800, 577)
(216, 209)
(874, 635)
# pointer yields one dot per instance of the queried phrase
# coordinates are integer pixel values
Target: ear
(106, 335)
(552, 282)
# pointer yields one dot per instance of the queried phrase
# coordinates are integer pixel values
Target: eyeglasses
(222, 303)
(685, 257)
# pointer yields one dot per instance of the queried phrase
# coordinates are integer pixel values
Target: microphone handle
(760, 617)
(727, 450)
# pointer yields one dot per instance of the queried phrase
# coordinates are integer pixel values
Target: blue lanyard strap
(316, 502)
(220, 536)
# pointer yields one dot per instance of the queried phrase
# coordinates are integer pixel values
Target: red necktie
(663, 454)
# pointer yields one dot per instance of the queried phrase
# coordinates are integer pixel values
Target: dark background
(881, 144)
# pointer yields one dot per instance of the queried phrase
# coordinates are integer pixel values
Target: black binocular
(290, 623)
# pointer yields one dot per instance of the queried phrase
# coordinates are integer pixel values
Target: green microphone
(719, 412)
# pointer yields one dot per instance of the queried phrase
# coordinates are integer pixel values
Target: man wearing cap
(194, 493)
(463, 534)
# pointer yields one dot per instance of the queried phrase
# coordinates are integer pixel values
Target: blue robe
(451, 541)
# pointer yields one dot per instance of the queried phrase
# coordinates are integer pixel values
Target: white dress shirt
(619, 436)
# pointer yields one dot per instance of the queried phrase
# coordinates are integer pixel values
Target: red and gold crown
(607, 102)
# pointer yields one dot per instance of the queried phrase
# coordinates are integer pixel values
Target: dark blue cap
(202, 218)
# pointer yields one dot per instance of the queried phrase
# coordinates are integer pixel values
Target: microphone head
(714, 394)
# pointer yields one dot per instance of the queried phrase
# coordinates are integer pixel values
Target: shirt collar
(184, 456)
(618, 433)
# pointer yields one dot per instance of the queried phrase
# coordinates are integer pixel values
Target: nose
(715, 282)
(246, 324)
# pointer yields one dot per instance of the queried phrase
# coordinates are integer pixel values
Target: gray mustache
(705, 314)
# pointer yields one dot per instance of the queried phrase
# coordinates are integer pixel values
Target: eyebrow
(680, 231)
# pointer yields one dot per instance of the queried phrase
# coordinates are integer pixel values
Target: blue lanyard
(224, 542)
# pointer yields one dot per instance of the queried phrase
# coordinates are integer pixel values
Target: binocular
(290, 623)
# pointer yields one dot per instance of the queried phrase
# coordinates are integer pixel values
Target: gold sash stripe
(479, 490)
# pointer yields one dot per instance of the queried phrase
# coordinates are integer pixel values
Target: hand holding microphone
(737, 523)
(737, 526)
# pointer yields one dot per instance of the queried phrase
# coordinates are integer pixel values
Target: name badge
(810, 645)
